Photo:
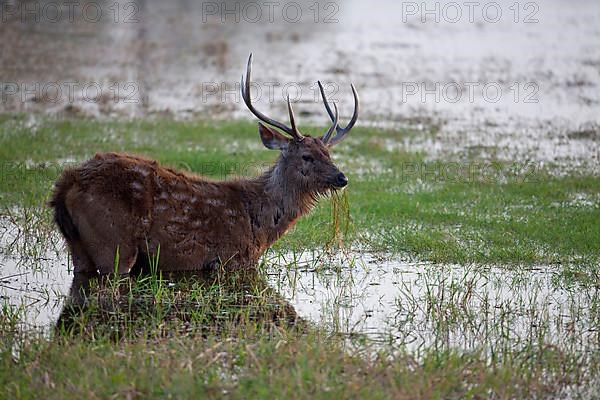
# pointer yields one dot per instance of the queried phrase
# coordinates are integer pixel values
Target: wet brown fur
(130, 204)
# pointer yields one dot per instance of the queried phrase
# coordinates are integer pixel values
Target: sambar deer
(131, 205)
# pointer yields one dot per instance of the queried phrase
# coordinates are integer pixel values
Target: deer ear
(271, 138)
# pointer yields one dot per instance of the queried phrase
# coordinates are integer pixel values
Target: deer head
(305, 161)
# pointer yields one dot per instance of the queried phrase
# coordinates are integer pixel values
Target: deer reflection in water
(188, 300)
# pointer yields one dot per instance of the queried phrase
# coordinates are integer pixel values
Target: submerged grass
(234, 336)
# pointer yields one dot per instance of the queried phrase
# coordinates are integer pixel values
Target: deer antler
(341, 132)
(327, 136)
(293, 131)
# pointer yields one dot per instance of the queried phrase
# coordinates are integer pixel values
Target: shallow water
(34, 274)
(178, 58)
(422, 305)
(40, 291)
(415, 306)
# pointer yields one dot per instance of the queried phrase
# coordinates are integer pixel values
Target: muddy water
(413, 305)
(519, 80)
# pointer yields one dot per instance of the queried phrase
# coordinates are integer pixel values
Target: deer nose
(341, 180)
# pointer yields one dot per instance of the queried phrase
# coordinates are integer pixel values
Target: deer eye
(308, 158)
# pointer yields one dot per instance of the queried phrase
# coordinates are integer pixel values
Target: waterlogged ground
(468, 278)
(415, 306)
(423, 305)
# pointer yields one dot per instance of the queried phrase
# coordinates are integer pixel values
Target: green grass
(267, 364)
(230, 337)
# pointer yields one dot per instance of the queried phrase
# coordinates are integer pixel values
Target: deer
(116, 210)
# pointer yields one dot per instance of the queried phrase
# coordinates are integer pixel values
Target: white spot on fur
(161, 207)
(181, 219)
(137, 185)
(141, 170)
(215, 202)
(181, 196)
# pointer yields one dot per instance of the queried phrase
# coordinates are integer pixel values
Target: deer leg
(105, 235)
(84, 272)
(126, 255)
(81, 259)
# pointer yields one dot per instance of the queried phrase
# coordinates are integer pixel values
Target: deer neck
(282, 204)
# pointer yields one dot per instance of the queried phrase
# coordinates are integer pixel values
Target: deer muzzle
(340, 180)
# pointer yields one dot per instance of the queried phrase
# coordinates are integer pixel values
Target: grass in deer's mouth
(340, 221)
(471, 211)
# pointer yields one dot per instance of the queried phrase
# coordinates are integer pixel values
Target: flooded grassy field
(462, 261)
(477, 279)
(413, 305)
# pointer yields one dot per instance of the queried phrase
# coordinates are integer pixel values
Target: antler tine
(245, 87)
(341, 132)
(327, 136)
(295, 132)
(325, 101)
